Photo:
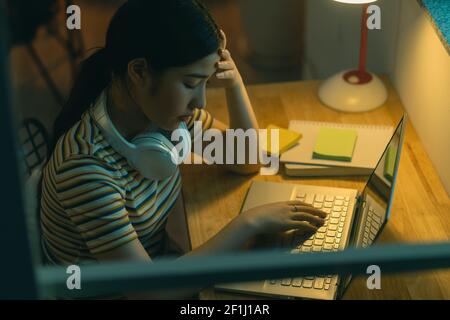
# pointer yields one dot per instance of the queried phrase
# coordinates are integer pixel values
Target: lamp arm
(361, 76)
(363, 45)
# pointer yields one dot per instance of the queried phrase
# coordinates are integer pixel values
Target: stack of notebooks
(334, 149)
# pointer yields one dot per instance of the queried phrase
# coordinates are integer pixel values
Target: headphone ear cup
(154, 156)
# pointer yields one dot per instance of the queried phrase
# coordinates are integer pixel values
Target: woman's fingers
(229, 74)
(308, 209)
(225, 54)
(298, 202)
(304, 226)
(303, 216)
(225, 65)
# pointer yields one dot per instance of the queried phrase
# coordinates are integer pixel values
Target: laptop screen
(376, 198)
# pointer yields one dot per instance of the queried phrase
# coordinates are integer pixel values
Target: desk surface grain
(421, 207)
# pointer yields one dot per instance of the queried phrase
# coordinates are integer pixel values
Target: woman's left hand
(227, 71)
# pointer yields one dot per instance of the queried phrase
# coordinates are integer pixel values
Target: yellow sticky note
(335, 144)
(286, 139)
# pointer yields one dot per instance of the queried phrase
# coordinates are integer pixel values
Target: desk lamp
(354, 90)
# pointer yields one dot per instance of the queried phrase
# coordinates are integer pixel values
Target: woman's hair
(167, 33)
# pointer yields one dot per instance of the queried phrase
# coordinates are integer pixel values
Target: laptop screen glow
(376, 198)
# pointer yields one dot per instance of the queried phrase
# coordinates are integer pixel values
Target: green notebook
(389, 162)
(335, 144)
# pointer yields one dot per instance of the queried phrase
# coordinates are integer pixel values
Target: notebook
(370, 143)
(287, 139)
(335, 144)
(309, 170)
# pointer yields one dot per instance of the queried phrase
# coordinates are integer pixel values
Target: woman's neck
(126, 116)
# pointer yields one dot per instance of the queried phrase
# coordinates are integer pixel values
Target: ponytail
(94, 76)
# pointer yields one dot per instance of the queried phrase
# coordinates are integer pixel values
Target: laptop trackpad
(262, 192)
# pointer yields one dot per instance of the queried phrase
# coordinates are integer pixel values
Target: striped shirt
(93, 201)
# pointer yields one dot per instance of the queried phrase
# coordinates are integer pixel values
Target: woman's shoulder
(76, 170)
(82, 145)
(82, 139)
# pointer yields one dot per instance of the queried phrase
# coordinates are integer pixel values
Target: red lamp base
(350, 91)
(357, 77)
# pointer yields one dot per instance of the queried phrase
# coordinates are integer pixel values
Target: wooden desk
(421, 208)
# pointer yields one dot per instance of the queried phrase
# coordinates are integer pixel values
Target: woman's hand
(227, 71)
(284, 216)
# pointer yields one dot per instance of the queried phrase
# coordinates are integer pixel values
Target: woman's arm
(273, 218)
(231, 238)
(240, 109)
(239, 106)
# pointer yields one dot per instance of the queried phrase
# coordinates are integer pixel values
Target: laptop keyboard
(327, 238)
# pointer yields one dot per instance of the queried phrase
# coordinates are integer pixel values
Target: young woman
(152, 73)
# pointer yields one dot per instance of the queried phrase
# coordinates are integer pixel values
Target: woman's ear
(138, 71)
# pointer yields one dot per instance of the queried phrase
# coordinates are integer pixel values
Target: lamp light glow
(356, 1)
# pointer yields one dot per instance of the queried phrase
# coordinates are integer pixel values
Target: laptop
(354, 219)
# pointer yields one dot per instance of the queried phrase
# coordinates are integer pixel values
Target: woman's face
(172, 97)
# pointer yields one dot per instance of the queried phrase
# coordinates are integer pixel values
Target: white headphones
(150, 153)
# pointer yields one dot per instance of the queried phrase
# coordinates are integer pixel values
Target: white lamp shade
(356, 1)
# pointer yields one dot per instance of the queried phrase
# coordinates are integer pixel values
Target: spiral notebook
(370, 144)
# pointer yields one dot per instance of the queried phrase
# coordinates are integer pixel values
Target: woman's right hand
(284, 216)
